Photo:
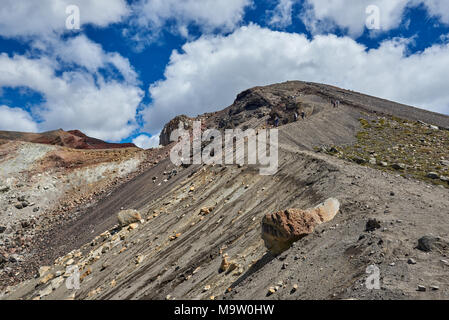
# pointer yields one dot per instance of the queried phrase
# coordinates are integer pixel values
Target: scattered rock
(281, 229)
(421, 288)
(228, 266)
(2, 229)
(443, 162)
(294, 288)
(139, 259)
(47, 277)
(435, 288)
(431, 243)
(43, 271)
(372, 224)
(411, 261)
(398, 166)
(4, 188)
(433, 175)
(2, 259)
(206, 210)
(127, 217)
(271, 291)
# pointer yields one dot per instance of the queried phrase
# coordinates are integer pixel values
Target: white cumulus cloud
(45, 17)
(145, 142)
(210, 71)
(16, 119)
(104, 109)
(324, 15)
(281, 16)
(153, 16)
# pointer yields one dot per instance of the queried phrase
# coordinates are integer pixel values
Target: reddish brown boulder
(281, 229)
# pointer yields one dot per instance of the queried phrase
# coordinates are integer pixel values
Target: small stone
(69, 262)
(435, 288)
(371, 225)
(411, 261)
(127, 217)
(398, 166)
(271, 291)
(421, 288)
(46, 278)
(433, 175)
(139, 259)
(294, 288)
(133, 226)
(206, 288)
(427, 243)
(43, 271)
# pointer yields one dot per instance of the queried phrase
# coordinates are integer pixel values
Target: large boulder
(281, 229)
(127, 217)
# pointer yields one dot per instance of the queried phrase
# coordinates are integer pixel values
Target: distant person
(303, 115)
(276, 121)
(296, 116)
(337, 103)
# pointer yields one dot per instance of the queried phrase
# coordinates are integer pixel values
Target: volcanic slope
(203, 214)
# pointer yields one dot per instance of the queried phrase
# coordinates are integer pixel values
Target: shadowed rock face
(281, 229)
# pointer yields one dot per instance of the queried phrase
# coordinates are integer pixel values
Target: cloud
(210, 71)
(322, 16)
(16, 119)
(81, 51)
(438, 8)
(153, 16)
(281, 16)
(145, 142)
(44, 17)
(104, 109)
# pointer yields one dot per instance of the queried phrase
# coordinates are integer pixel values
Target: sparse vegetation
(409, 148)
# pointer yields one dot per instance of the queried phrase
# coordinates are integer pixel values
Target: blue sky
(133, 65)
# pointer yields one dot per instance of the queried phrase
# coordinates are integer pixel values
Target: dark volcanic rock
(371, 225)
(430, 243)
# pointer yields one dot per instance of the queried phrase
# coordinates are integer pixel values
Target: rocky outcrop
(127, 217)
(164, 138)
(281, 229)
